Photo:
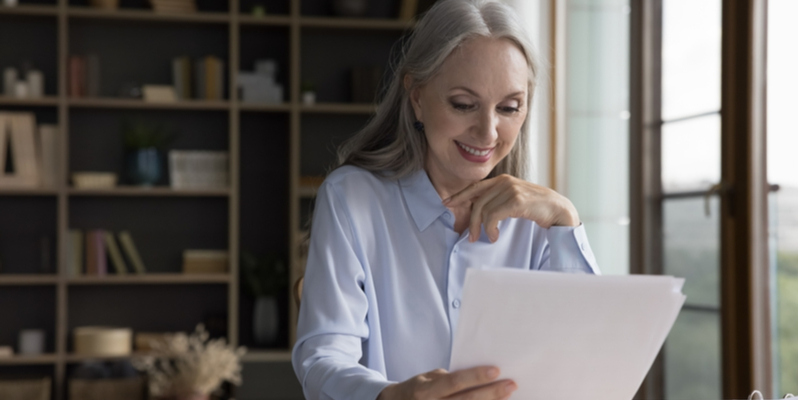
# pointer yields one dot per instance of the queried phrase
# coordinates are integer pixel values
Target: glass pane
(691, 248)
(782, 128)
(690, 154)
(597, 125)
(692, 357)
(691, 57)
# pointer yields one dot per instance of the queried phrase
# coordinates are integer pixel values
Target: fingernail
(447, 200)
(510, 388)
(493, 372)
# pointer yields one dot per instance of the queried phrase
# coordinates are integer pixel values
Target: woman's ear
(413, 96)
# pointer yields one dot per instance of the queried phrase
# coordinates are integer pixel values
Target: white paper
(565, 336)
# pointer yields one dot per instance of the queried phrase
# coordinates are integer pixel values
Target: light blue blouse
(384, 276)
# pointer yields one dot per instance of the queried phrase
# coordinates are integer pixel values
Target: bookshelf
(271, 146)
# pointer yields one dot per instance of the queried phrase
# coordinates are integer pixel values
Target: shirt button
(456, 303)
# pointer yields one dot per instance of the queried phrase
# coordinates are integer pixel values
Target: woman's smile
(474, 154)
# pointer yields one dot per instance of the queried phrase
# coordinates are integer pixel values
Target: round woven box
(103, 341)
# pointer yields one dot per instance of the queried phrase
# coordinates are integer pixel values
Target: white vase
(265, 321)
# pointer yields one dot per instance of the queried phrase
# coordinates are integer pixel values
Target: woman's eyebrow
(472, 92)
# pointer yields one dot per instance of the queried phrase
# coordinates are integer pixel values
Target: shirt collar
(422, 200)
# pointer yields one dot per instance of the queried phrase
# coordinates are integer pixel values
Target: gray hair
(389, 144)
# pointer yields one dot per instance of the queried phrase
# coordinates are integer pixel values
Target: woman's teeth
(475, 152)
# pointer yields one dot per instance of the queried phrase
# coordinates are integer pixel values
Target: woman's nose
(487, 126)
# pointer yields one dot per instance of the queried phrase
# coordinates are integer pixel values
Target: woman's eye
(509, 110)
(461, 106)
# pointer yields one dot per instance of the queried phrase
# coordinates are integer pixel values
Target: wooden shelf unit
(245, 122)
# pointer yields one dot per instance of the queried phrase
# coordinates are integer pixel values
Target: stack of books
(28, 155)
(91, 253)
(174, 6)
(205, 81)
(84, 76)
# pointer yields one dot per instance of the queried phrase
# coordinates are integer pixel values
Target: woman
(431, 186)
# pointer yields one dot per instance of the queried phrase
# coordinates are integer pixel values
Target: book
(4, 137)
(199, 79)
(75, 253)
(182, 77)
(115, 254)
(77, 76)
(129, 247)
(91, 75)
(91, 254)
(48, 155)
(100, 248)
(20, 129)
(210, 77)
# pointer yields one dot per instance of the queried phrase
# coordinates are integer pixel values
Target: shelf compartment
(29, 9)
(28, 307)
(30, 247)
(151, 279)
(46, 101)
(355, 23)
(111, 102)
(39, 359)
(148, 15)
(282, 107)
(156, 191)
(28, 279)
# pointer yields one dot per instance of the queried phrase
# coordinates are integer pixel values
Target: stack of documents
(560, 335)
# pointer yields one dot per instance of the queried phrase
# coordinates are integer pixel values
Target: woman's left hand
(504, 197)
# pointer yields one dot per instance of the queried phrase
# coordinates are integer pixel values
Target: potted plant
(144, 151)
(309, 94)
(190, 367)
(264, 278)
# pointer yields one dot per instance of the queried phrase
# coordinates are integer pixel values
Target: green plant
(307, 86)
(263, 275)
(140, 135)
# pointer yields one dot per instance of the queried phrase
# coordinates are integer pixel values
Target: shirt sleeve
(568, 250)
(332, 322)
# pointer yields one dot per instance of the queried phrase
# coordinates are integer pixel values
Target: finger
(476, 214)
(494, 211)
(494, 391)
(458, 381)
(470, 192)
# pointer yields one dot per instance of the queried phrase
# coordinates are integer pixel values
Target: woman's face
(472, 110)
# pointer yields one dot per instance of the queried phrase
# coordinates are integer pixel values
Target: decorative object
(105, 4)
(260, 86)
(10, 3)
(94, 180)
(144, 147)
(145, 341)
(21, 89)
(264, 277)
(35, 80)
(350, 8)
(198, 169)
(205, 261)
(6, 351)
(29, 389)
(191, 366)
(103, 389)
(159, 94)
(102, 341)
(309, 95)
(9, 81)
(31, 342)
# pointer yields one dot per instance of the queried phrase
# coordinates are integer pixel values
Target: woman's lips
(474, 154)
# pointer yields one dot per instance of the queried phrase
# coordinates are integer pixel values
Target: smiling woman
(431, 186)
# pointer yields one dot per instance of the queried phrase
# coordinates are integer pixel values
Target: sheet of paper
(565, 336)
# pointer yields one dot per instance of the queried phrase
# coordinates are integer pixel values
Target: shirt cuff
(569, 249)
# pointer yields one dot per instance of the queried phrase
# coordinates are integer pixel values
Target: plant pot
(265, 321)
(143, 166)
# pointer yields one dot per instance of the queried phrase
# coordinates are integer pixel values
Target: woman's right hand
(467, 384)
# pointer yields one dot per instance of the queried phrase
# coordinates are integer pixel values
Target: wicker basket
(103, 341)
(106, 389)
(25, 389)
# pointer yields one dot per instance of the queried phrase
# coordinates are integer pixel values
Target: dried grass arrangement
(190, 366)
